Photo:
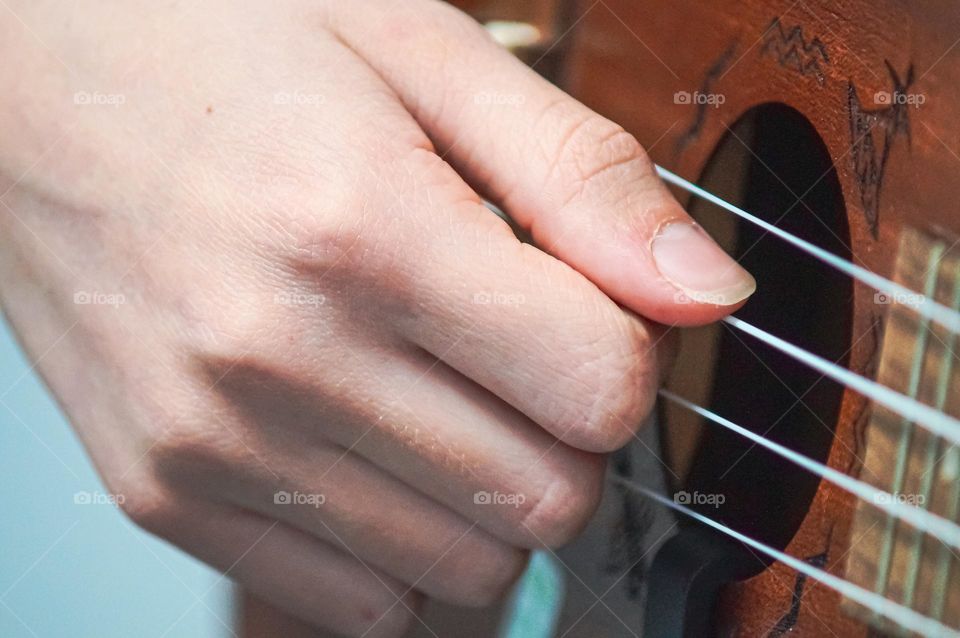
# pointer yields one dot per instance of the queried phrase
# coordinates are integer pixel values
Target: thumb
(619, 225)
(579, 184)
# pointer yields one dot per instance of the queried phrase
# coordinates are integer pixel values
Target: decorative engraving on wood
(920, 359)
(793, 51)
(714, 73)
(788, 621)
(873, 131)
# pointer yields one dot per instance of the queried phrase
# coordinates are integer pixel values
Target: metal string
(920, 519)
(903, 616)
(925, 416)
(897, 293)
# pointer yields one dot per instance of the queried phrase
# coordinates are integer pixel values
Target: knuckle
(482, 577)
(616, 383)
(366, 236)
(463, 25)
(244, 327)
(181, 449)
(495, 577)
(628, 398)
(393, 620)
(225, 328)
(322, 241)
(149, 505)
(566, 505)
(594, 153)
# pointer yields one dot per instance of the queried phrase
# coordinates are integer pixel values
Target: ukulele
(815, 487)
(802, 477)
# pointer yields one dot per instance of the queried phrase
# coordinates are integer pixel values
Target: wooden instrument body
(896, 163)
(895, 160)
(880, 83)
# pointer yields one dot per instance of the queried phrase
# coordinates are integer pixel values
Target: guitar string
(931, 419)
(921, 414)
(925, 521)
(897, 293)
(944, 559)
(927, 417)
(904, 616)
(905, 443)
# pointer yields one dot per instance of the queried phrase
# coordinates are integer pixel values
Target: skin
(246, 248)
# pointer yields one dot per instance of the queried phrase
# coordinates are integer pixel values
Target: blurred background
(70, 563)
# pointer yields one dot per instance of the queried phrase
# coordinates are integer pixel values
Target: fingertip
(698, 315)
(682, 277)
(640, 288)
(692, 262)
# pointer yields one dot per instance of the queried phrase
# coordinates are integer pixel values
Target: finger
(519, 322)
(259, 618)
(501, 469)
(417, 258)
(298, 573)
(582, 187)
(345, 501)
(437, 431)
(522, 324)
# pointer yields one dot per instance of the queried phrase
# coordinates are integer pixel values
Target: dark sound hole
(781, 159)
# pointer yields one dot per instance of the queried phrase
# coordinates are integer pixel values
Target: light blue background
(82, 570)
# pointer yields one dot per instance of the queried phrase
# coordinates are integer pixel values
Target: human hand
(246, 248)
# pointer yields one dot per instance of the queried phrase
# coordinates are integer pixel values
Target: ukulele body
(837, 121)
(877, 81)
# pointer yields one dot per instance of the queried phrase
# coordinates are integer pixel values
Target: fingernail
(689, 259)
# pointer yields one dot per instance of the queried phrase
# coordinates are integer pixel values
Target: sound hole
(773, 163)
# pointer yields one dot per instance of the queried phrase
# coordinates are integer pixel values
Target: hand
(246, 247)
